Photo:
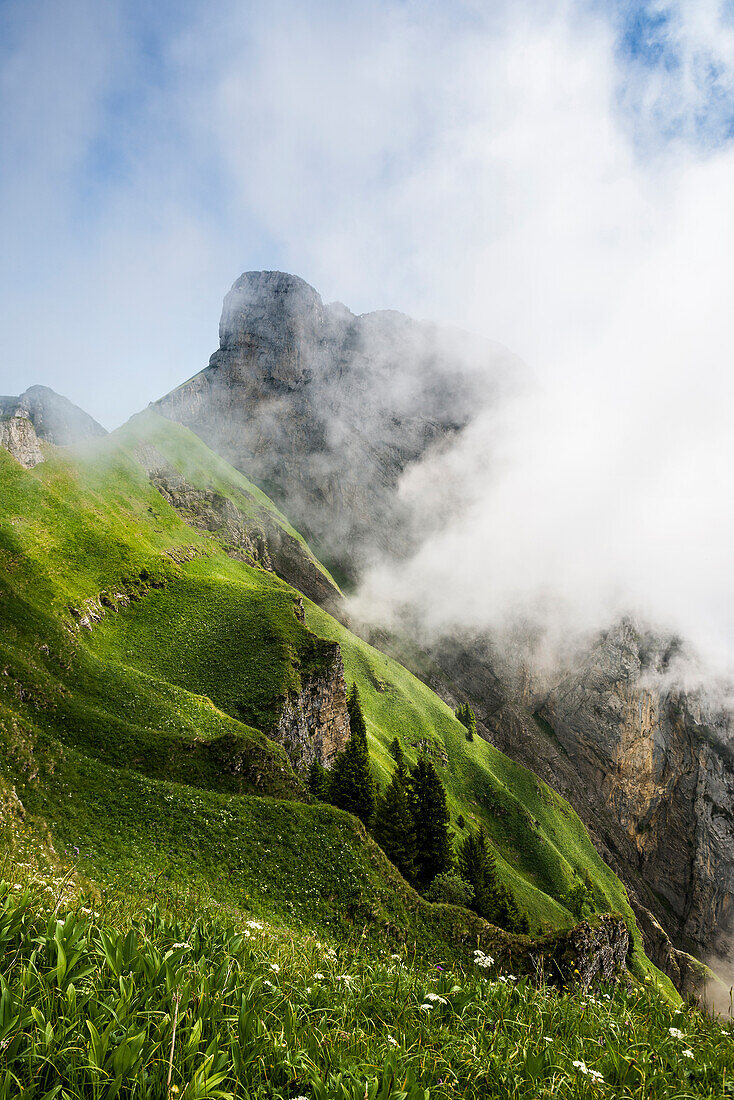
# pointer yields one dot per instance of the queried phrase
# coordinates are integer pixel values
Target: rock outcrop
(18, 437)
(249, 534)
(325, 409)
(314, 723)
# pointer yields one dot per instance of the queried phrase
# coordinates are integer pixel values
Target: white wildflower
(395, 957)
(187, 946)
(675, 1032)
(318, 977)
(267, 984)
(581, 1066)
(255, 925)
(436, 998)
(392, 1042)
(547, 1038)
(595, 1074)
(688, 1054)
(344, 978)
(275, 968)
(426, 1007)
(481, 959)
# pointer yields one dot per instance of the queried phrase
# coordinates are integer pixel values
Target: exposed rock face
(314, 725)
(54, 418)
(662, 762)
(648, 767)
(18, 437)
(325, 410)
(257, 540)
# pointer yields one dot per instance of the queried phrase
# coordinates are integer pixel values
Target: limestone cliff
(18, 437)
(314, 723)
(646, 765)
(325, 409)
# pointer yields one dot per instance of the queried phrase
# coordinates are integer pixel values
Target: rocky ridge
(41, 415)
(325, 409)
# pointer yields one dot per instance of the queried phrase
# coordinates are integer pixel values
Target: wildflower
(174, 1090)
(436, 998)
(254, 924)
(547, 1038)
(187, 946)
(675, 1032)
(267, 984)
(483, 960)
(275, 968)
(392, 1042)
(318, 977)
(595, 1074)
(688, 1054)
(395, 957)
(426, 1007)
(344, 978)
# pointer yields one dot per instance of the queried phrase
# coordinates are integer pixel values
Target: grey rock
(648, 767)
(325, 409)
(314, 723)
(18, 437)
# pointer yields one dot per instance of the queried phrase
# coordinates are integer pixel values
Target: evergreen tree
(492, 899)
(401, 768)
(468, 719)
(351, 784)
(392, 826)
(430, 814)
(318, 781)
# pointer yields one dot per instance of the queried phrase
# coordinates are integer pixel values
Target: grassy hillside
(141, 670)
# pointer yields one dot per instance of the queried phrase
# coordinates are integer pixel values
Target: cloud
(554, 176)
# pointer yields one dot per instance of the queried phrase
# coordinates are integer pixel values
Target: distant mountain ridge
(41, 414)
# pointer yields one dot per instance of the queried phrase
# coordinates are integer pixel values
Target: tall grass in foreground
(165, 1009)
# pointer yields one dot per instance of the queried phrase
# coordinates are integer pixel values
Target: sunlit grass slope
(142, 737)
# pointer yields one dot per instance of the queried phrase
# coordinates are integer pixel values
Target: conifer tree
(351, 784)
(401, 768)
(392, 825)
(492, 899)
(468, 719)
(318, 781)
(431, 820)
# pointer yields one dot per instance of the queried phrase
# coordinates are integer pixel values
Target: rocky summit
(326, 410)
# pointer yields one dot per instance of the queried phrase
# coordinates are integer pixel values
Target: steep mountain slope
(155, 670)
(330, 410)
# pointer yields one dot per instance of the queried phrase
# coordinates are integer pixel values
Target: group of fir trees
(492, 899)
(468, 719)
(410, 820)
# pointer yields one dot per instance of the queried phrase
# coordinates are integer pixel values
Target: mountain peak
(41, 414)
